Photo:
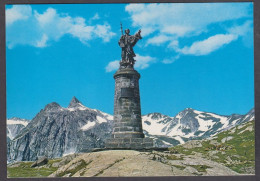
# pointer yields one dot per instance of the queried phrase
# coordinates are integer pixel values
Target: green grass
(173, 157)
(179, 167)
(241, 148)
(200, 168)
(25, 170)
(203, 149)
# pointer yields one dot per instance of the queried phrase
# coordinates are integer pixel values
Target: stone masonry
(127, 130)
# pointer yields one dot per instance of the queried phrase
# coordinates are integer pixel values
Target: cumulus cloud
(215, 42)
(241, 30)
(95, 17)
(158, 40)
(181, 19)
(39, 29)
(112, 66)
(142, 62)
(208, 45)
(42, 42)
(168, 24)
(17, 13)
(171, 60)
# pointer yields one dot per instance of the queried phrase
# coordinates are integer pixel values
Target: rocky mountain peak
(186, 111)
(52, 106)
(18, 119)
(155, 115)
(74, 103)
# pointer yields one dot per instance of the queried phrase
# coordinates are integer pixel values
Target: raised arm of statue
(138, 34)
(137, 37)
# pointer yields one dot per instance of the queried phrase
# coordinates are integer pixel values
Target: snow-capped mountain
(56, 131)
(189, 124)
(14, 126)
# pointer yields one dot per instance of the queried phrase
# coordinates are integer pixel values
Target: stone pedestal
(127, 131)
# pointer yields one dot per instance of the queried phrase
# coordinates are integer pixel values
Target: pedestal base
(129, 143)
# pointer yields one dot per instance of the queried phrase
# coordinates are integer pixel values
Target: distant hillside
(234, 148)
(189, 124)
(57, 131)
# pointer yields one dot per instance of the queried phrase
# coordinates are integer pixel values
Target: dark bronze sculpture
(127, 42)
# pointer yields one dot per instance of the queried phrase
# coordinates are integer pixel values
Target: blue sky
(196, 55)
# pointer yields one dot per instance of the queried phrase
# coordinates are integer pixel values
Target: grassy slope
(237, 153)
(24, 170)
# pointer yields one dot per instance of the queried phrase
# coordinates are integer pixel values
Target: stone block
(128, 143)
(127, 130)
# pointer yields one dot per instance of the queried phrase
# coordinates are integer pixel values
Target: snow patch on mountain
(235, 121)
(15, 121)
(178, 138)
(204, 124)
(88, 125)
(108, 116)
(101, 120)
(222, 119)
(78, 107)
(14, 126)
(153, 126)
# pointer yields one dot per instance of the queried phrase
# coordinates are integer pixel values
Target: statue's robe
(127, 42)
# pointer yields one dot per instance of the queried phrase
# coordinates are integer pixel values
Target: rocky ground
(234, 148)
(120, 163)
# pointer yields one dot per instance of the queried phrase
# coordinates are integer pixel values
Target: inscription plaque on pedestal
(127, 92)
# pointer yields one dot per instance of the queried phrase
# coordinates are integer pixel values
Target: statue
(128, 130)
(127, 42)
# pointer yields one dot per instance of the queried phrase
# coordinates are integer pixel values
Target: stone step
(130, 143)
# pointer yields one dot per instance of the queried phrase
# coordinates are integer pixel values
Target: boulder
(40, 162)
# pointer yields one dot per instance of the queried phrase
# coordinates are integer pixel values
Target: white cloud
(208, 45)
(112, 66)
(16, 13)
(245, 31)
(95, 17)
(177, 30)
(158, 40)
(183, 18)
(51, 25)
(167, 24)
(174, 44)
(143, 62)
(171, 60)
(104, 32)
(47, 17)
(42, 42)
(242, 30)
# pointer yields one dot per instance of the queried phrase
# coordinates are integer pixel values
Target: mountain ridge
(56, 131)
